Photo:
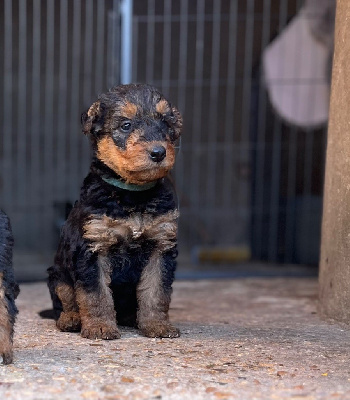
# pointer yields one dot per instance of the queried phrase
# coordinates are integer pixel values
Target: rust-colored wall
(334, 281)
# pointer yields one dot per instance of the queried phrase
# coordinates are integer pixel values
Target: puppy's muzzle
(157, 154)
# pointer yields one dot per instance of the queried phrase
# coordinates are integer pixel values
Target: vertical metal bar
(260, 142)
(88, 54)
(182, 80)
(109, 55)
(113, 76)
(291, 185)
(213, 117)
(309, 144)
(61, 133)
(48, 122)
(197, 108)
(276, 166)
(150, 40)
(126, 10)
(84, 149)
(243, 186)
(275, 185)
(135, 45)
(21, 168)
(100, 47)
(7, 172)
(166, 47)
(183, 39)
(230, 103)
(35, 193)
(75, 111)
(247, 74)
(109, 68)
(116, 41)
(290, 205)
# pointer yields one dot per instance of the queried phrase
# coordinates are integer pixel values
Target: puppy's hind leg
(64, 301)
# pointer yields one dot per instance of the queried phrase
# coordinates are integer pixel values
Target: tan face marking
(134, 164)
(162, 107)
(128, 110)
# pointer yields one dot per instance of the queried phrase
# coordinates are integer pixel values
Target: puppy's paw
(6, 351)
(7, 357)
(161, 329)
(69, 322)
(100, 331)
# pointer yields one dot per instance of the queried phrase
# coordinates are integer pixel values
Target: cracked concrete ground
(252, 338)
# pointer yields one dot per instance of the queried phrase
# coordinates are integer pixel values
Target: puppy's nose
(157, 153)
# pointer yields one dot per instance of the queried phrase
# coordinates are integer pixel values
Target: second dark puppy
(8, 290)
(116, 256)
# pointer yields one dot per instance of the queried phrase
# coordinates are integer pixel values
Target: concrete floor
(250, 338)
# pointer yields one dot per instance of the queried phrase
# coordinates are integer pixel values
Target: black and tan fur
(115, 262)
(8, 290)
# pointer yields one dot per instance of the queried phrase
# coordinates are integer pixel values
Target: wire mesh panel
(58, 55)
(188, 49)
(245, 179)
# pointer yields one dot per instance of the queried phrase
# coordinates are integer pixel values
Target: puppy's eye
(126, 126)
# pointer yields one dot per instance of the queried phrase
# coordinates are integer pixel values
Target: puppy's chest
(137, 229)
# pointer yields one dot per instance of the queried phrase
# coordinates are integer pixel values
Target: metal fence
(245, 179)
(58, 55)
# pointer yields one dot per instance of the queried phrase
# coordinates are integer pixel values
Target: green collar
(129, 186)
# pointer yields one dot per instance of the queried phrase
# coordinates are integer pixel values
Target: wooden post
(334, 278)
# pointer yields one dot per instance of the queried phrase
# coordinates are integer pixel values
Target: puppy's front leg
(153, 297)
(96, 306)
(69, 319)
(6, 332)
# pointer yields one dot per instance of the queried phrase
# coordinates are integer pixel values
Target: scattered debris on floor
(241, 339)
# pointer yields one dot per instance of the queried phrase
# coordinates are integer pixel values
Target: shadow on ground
(249, 338)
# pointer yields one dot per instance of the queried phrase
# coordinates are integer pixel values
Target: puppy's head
(133, 129)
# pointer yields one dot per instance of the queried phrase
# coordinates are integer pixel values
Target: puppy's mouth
(140, 162)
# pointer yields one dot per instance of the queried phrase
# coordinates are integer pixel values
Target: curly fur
(116, 256)
(8, 290)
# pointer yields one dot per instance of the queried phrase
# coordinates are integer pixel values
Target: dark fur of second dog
(115, 261)
(8, 290)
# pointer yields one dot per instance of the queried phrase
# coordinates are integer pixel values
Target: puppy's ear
(93, 119)
(176, 121)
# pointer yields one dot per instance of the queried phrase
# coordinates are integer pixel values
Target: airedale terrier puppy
(8, 290)
(116, 256)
